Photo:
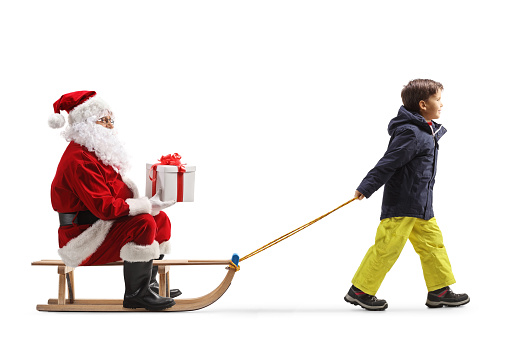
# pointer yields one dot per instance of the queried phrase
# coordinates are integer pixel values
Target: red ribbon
(172, 160)
(180, 186)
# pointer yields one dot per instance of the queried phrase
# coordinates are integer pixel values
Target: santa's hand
(158, 205)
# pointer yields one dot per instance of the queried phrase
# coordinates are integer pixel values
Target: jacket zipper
(433, 173)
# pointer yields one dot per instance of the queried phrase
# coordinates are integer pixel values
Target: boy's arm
(401, 150)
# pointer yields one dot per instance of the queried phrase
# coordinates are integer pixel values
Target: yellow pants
(391, 237)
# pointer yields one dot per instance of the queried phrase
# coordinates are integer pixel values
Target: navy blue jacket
(408, 167)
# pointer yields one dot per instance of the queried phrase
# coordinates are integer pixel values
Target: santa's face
(104, 142)
(106, 121)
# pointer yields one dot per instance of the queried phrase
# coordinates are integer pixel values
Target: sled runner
(66, 279)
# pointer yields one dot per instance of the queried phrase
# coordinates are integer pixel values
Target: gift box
(174, 182)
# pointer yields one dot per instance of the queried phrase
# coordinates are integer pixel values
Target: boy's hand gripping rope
(235, 265)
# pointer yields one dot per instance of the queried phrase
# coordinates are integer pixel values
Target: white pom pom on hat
(56, 121)
(80, 105)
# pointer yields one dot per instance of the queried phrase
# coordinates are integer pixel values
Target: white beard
(100, 140)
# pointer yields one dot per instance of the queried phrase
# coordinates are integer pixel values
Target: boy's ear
(422, 105)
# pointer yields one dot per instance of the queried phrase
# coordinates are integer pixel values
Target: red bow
(170, 159)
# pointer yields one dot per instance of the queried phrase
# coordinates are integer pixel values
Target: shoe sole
(356, 302)
(438, 304)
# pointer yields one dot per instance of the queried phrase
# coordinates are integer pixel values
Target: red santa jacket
(82, 182)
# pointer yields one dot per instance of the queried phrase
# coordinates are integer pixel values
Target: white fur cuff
(85, 244)
(139, 206)
(165, 247)
(136, 253)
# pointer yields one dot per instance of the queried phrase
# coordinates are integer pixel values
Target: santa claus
(102, 217)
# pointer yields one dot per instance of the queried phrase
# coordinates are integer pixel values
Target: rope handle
(289, 234)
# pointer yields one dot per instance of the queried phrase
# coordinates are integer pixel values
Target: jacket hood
(408, 117)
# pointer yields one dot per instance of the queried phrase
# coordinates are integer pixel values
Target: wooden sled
(66, 279)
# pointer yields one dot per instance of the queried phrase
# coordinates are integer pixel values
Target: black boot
(154, 285)
(137, 291)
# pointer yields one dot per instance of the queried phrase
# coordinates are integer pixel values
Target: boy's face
(431, 108)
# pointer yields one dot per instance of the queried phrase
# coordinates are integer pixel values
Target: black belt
(82, 218)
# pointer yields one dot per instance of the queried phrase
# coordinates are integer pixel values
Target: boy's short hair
(417, 90)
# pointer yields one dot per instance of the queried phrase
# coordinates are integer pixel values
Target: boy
(408, 171)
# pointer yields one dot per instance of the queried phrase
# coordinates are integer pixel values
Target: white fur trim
(165, 247)
(95, 106)
(132, 186)
(139, 206)
(135, 253)
(85, 244)
(56, 120)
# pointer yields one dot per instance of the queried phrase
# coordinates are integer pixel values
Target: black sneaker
(366, 301)
(446, 297)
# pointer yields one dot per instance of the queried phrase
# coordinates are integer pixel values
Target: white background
(283, 107)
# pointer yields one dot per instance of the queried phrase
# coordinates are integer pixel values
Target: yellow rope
(232, 265)
(289, 234)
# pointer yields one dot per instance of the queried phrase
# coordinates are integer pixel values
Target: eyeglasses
(106, 120)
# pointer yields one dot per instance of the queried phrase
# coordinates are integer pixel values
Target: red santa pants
(142, 230)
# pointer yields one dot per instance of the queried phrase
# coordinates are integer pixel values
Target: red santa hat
(80, 105)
